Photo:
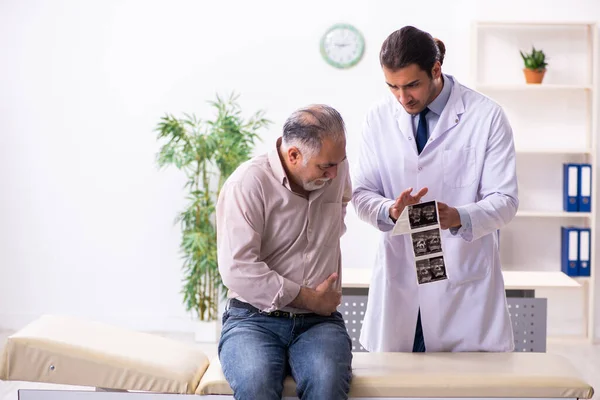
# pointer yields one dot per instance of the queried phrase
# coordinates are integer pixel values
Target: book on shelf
(577, 187)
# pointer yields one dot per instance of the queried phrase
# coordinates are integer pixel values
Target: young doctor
(435, 139)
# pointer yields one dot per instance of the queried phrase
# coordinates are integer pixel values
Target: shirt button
(409, 138)
(420, 168)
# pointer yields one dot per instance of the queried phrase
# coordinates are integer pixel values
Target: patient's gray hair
(307, 127)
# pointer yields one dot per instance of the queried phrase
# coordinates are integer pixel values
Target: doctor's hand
(406, 199)
(449, 216)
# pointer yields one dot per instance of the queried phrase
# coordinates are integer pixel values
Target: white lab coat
(468, 162)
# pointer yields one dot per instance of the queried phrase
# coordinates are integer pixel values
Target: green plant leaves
(534, 60)
(207, 151)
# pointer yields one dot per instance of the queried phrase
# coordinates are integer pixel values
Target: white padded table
(76, 352)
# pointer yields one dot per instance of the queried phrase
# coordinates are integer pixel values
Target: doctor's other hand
(328, 297)
(406, 199)
(449, 216)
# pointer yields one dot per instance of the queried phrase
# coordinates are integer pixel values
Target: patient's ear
(294, 155)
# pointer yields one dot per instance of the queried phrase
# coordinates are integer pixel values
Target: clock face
(342, 46)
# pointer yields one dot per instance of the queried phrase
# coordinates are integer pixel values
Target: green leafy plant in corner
(536, 60)
(207, 151)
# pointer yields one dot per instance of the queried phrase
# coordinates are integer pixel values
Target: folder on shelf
(585, 188)
(585, 244)
(569, 250)
(570, 187)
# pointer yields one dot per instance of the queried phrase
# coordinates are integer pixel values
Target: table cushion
(66, 350)
(446, 375)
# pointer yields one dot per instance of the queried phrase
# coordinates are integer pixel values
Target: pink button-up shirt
(271, 241)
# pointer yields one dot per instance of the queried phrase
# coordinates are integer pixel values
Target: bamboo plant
(207, 151)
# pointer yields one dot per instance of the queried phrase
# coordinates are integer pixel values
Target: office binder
(584, 197)
(585, 244)
(570, 187)
(569, 250)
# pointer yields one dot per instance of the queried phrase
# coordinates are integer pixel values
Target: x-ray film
(421, 221)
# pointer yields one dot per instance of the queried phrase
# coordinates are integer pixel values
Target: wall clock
(342, 46)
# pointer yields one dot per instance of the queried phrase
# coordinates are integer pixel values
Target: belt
(281, 314)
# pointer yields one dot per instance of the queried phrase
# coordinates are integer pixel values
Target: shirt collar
(438, 104)
(277, 166)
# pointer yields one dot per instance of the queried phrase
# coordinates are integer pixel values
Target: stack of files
(577, 187)
(575, 250)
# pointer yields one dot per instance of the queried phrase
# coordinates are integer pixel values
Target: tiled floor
(584, 357)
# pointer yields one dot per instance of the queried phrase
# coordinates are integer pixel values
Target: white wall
(86, 220)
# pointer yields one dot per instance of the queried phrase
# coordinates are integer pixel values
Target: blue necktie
(422, 130)
(419, 343)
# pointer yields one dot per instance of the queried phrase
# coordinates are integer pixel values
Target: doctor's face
(412, 87)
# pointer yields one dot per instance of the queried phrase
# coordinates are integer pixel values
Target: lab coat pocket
(459, 167)
(331, 221)
(465, 261)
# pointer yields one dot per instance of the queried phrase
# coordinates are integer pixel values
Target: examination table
(127, 365)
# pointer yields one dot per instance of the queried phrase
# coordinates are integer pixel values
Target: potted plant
(207, 151)
(535, 65)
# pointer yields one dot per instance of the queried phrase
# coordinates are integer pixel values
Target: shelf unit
(553, 214)
(523, 86)
(553, 123)
(534, 151)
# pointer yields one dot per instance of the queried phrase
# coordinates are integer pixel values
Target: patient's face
(315, 172)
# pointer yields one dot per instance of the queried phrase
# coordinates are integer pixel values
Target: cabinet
(554, 122)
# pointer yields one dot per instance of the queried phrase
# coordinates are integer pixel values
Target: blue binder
(569, 248)
(584, 198)
(585, 249)
(570, 187)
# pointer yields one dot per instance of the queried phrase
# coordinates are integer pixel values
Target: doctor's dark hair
(410, 45)
(307, 127)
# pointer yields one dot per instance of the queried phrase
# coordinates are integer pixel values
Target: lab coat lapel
(452, 112)
(405, 123)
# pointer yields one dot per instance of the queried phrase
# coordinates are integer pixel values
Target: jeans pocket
(238, 313)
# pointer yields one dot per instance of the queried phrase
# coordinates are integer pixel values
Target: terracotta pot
(534, 75)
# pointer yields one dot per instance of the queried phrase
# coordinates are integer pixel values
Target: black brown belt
(281, 314)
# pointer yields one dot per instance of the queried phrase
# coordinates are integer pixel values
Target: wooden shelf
(356, 277)
(554, 151)
(534, 24)
(553, 214)
(538, 280)
(360, 278)
(530, 87)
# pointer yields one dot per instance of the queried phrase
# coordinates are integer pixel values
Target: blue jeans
(257, 352)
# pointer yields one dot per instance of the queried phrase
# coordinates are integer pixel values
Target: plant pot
(534, 75)
(207, 331)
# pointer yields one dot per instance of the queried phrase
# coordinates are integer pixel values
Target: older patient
(280, 217)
